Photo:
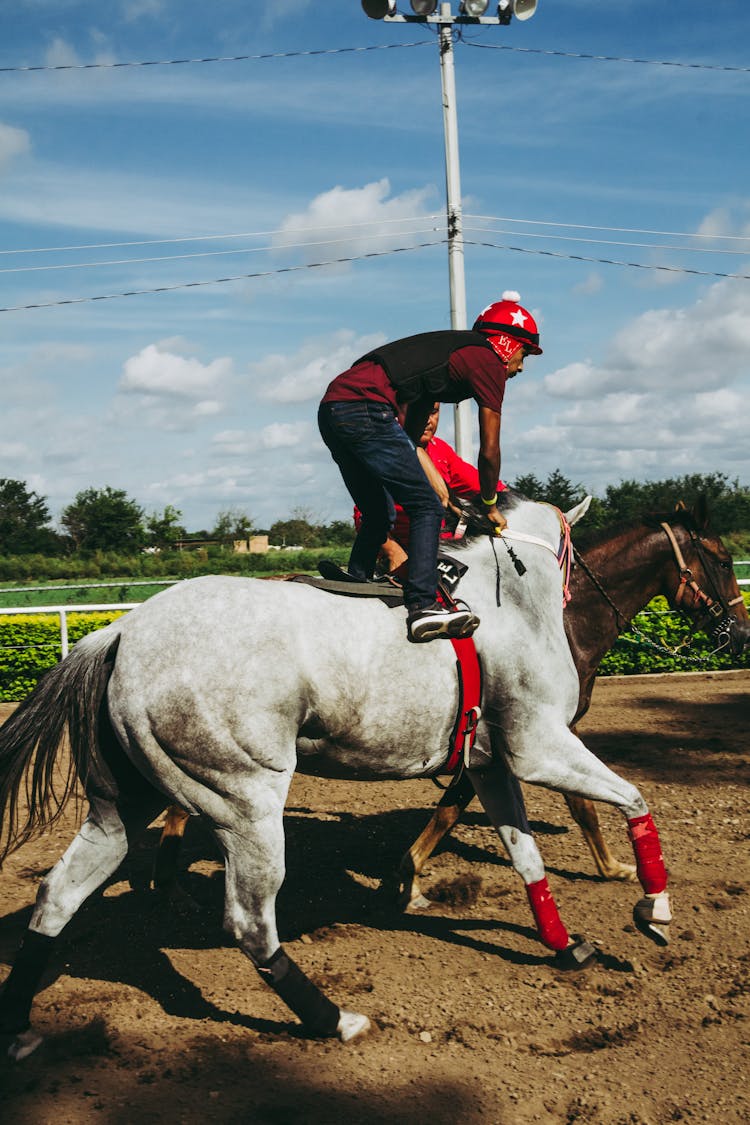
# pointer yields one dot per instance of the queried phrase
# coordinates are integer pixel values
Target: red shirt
(475, 372)
(458, 474)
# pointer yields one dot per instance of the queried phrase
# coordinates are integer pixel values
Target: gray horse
(211, 694)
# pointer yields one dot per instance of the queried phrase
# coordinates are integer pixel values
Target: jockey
(371, 417)
(445, 470)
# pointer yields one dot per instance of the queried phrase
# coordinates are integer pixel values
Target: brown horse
(611, 582)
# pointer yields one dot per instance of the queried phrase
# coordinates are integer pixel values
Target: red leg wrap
(551, 930)
(645, 840)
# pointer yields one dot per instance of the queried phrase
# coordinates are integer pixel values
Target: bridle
(717, 610)
(717, 616)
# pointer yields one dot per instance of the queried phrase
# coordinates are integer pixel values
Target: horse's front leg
(447, 814)
(586, 817)
(502, 800)
(566, 765)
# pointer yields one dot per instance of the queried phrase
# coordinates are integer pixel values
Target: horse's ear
(700, 513)
(680, 506)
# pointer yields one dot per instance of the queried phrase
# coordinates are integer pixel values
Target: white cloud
(13, 142)
(591, 285)
(346, 221)
(305, 374)
(158, 372)
(283, 435)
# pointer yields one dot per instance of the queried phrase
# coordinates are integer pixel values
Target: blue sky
(205, 397)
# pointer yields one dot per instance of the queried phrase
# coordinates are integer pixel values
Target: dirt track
(150, 1016)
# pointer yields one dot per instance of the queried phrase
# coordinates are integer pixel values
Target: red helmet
(506, 315)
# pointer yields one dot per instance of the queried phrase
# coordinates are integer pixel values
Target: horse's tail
(67, 696)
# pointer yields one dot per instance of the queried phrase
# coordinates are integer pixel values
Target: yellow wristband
(490, 503)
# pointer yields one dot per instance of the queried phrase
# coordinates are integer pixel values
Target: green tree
(557, 489)
(232, 523)
(165, 529)
(339, 533)
(530, 485)
(104, 519)
(728, 501)
(302, 530)
(24, 517)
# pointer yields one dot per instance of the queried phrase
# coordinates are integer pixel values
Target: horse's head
(701, 581)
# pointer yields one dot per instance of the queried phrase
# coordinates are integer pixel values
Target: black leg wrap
(299, 993)
(18, 991)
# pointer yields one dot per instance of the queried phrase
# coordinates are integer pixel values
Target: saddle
(335, 580)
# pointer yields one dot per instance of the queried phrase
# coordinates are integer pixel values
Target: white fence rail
(63, 610)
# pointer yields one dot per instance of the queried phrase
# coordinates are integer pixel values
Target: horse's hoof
(578, 956)
(621, 872)
(24, 1044)
(652, 915)
(417, 905)
(351, 1025)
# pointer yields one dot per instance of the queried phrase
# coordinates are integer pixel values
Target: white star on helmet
(518, 318)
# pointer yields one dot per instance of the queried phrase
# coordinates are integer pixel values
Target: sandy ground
(150, 1015)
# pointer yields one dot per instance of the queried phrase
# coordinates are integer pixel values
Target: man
(445, 471)
(371, 417)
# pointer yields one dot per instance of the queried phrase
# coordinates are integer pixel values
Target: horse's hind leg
(586, 817)
(502, 800)
(452, 803)
(254, 858)
(170, 843)
(94, 855)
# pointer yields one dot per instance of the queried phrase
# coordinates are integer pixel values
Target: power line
(372, 254)
(606, 242)
(213, 58)
(604, 58)
(210, 253)
(380, 222)
(360, 50)
(222, 280)
(615, 230)
(217, 237)
(607, 261)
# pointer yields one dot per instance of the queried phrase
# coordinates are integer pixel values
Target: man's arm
(488, 464)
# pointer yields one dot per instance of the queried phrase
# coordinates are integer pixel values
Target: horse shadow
(334, 878)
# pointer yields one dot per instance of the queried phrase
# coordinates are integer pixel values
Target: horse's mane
(476, 520)
(588, 538)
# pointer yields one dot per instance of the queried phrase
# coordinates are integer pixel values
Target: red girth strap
(469, 672)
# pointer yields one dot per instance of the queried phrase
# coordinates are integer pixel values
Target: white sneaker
(438, 620)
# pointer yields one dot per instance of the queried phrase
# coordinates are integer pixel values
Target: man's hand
(494, 515)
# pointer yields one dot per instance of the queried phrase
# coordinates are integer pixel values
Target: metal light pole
(470, 12)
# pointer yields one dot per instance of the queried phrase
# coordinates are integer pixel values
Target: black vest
(417, 366)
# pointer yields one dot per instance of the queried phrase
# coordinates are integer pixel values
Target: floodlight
(474, 8)
(524, 9)
(423, 7)
(379, 9)
(521, 9)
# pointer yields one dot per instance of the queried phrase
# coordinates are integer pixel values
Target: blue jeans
(379, 464)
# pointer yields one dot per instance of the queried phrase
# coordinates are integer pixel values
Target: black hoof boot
(580, 955)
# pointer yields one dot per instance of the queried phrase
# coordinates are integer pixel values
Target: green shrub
(30, 644)
(658, 625)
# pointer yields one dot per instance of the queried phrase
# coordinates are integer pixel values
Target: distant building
(255, 545)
